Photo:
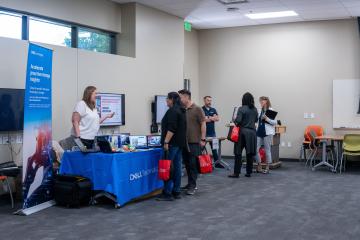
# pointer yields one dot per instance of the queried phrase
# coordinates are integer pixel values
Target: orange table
(324, 141)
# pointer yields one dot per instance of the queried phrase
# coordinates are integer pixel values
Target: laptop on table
(139, 142)
(154, 141)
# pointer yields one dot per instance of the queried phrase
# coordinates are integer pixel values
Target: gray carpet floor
(290, 203)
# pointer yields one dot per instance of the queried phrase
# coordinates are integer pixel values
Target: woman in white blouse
(265, 132)
(85, 119)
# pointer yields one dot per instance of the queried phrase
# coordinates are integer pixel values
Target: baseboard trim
(281, 159)
(289, 159)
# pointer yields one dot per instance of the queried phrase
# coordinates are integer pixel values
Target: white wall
(191, 63)
(103, 14)
(127, 39)
(294, 64)
(157, 69)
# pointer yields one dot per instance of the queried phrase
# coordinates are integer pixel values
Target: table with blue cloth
(125, 175)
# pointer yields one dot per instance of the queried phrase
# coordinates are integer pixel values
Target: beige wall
(157, 69)
(127, 39)
(191, 63)
(294, 64)
(103, 14)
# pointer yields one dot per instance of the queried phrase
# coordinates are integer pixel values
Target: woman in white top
(85, 119)
(265, 132)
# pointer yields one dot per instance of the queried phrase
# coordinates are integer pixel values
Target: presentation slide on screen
(110, 103)
(161, 108)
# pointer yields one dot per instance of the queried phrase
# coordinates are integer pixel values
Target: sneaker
(190, 191)
(165, 197)
(247, 175)
(176, 195)
(187, 187)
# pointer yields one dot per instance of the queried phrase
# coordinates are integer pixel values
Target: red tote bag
(205, 163)
(262, 154)
(234, 133)
(164, 170)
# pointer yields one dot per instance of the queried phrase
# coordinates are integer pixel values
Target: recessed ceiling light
(226, 2)
(271, 15)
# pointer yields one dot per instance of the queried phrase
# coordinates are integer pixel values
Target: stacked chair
(314, 146)
(351, 147)
(309, 143)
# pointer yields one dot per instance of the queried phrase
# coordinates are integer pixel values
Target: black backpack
(72, 191)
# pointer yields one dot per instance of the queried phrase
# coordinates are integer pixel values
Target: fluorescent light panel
(271, 15)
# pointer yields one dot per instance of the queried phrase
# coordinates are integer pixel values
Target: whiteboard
(346, 103)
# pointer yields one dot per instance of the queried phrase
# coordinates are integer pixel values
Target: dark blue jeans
(173, 185)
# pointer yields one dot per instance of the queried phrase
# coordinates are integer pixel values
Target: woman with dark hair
(246, 118)
(85, 118)
(173, 139)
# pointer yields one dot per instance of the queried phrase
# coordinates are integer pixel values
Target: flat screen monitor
(138, 141)
(124, 139)
(154, 141)
(160, 107)
(107, 103)
(11, 109)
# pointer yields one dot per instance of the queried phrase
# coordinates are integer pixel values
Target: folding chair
(351, 147)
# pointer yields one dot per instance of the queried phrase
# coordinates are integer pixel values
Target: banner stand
(37, 208)
(38, 176)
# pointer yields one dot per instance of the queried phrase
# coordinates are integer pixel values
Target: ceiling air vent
(226, 2)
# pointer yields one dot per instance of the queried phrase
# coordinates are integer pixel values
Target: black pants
(249, 163)
(214, 152)
(190, 158)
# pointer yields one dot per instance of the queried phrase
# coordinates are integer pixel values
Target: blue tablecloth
(126, 175)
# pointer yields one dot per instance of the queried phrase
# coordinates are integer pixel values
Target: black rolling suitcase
(72, 191)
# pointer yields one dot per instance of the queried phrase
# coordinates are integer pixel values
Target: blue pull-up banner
(37, 162)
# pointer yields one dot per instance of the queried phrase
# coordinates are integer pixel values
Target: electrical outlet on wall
(5, 139)
(283, 144)
(289, 144)
(12, 139)
(19, 139)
